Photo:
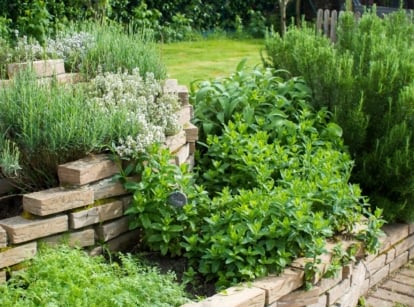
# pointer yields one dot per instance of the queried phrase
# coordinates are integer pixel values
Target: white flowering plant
(147, 106)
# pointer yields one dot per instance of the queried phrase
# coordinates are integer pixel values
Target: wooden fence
(327, 21)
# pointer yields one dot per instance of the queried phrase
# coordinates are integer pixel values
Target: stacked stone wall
(87, 209)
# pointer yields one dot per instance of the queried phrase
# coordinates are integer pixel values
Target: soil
(10, 205)
(178, 265)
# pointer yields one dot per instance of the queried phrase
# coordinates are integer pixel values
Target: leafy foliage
(275, 176)
(51, 279)
(366, 81)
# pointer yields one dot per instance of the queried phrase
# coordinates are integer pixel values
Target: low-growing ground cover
(63, 276)
(208, 58)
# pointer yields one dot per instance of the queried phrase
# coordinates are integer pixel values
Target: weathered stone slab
(170, 83)
(87, 170)
(107, 188)
(278, 286)
(377, 263)
(192, 147)
(379, 275)
(411, 228)
(336, 292)
(390, 255)
(57, 200)
(81, 238)
(124, 241)
(2, 277)
(126, 201)
(300, 298)
(185, 114)
(96, 251)
(240, 296)
(182, 154)
(96, 214)
(399, 261)
(42, 68)
(327, 283)
(395, 233)
(3, 237)
(300, 263)
(110, 230)
(191, 132)
(404, 245)
(350, 298)
(191, 162)
(22, 230)
(395, 286)
(175, 142)
(182, 92)
(322, 300)
(17, 254)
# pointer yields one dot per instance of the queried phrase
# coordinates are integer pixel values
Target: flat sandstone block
(300, 298)
(17, 254)
(107, 188)
(278, 286)
(42, 68)
(124, 241)
(21, 230)
(3, 237)
(240, 296)
(108, 231)
(96, 215)
(185, 114)
(174, 142)
(182, 154)
(191, 132)
(81, 238)
(2, 277)
(57, 200)
(87, 170)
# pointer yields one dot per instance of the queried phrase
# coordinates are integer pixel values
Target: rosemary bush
(366, 80)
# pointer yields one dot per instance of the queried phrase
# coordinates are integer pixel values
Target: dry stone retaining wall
(354, 280)
(87, 210)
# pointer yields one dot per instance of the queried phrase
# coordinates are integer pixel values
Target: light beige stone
(3, 237)
(376, 264)
(175, 142)
(2, 277)
(96, 251)
(390, 255)
(182, 92)
(125, 241)
(22, 230)
(110, 230)
(379, 275)
(300, 298)
(399, 261)
(278, 286)
(327, 283)
(107, 188)
(404, 245)
(17, 254)
(238, 296)
(191, 162)
(182, 154)
(185, 114)
(69, 78)
(96, 214)
(191, 132)
(322, 267)
(57, 200)
(192, 147)
(350, 298)
(322, 300)
(395, 233)
(170, 83)
(347, 271)
(336, 292)
(42, 68)
(411, 253)
(81, 238)
(87, 170)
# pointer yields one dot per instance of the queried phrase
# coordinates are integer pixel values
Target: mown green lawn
(206, 59)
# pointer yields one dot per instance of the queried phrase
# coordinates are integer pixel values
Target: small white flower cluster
(145, 103)
(71, 47)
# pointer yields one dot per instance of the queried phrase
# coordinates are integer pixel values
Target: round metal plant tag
(177, 199)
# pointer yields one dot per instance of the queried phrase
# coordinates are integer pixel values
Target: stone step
(21, 230)
(57, 200)
(17, 254)
(113, 229)
(87, 170)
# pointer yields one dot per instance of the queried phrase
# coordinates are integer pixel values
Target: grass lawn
(205, 59)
